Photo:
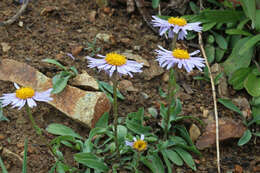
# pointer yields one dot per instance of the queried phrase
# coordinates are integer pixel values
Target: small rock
(136, 57)
(76, 50)
(228, 128)
(125, 41)
(107, 10)
(137, 48)
(126, 85)
(194, 132)
(5, 46)
(59, 56)
(238, 169)
(153, 111)
(146, 96)
(49, 9)
(20, 23)
(165, 77)
(2, 136)
(205, 113)
(153, 71)
(243, 104)
(85, 80)
(104, 37)
(92, 16)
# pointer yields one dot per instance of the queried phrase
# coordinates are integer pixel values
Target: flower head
(139, 145)
(115, 62)
(175, 25)
(181, 57)
(23, 95)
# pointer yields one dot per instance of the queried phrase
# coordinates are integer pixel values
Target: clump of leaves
(60, 81)
(91, 46)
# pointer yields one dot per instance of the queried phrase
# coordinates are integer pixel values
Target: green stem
(174, 41)
(115, 109)
(39, 131)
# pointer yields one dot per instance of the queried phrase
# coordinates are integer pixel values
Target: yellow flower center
(115, 59)
(177, 21)
(180, 54)
(24, 93)
(140, 145)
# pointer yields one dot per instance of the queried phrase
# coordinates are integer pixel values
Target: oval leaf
(252, 85)
(59, 129)
(228, 104)
(174, 157)
(249, 44)
(245, 138)
(59, 82)
(186, 157)
(238, 77)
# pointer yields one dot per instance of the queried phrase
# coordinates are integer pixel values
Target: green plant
(91, 46)
(207, 78)
(59, 81)
(108, 90)
(2, 117)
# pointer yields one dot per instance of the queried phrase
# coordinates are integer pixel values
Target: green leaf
(59, 82)
(134, 126)
(220, 16)
(257, 21)
(249, 44)
(255, 101)
(252, 85)
(153, 162)
(53, 61)
(186, 157)
(121, 133)
(59, 129)
(24, 169)
(237, 32)
(103, 120)
(109, 88)
(228, 104)
(54, 167)
(195, 9)
(257, 134)
(92, 161)
(166, 160)
(221, 41)
(174, 157)
(155, 3)
(208, 26)
(236, 61)
(75, 71)
(245, 138)
(4, 170)
(238, 77)
(60, 168)
(210, 52)
(2, 117)
(249, 8)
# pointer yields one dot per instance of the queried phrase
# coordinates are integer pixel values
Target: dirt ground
(70, 24)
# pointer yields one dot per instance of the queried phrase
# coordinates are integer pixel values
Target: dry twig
(214, 99)
(16, 16)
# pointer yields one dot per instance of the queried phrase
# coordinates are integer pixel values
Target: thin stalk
(39, 131)
(170, 94)
(115, 112)
(174, 41)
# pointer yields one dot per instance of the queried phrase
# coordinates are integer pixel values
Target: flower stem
(39, 131)
(170, 94)
(174, 41)
(115, 112)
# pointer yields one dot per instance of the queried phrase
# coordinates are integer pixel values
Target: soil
(69, 24)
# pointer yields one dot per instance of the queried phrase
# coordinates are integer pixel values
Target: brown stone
(228, 128)
(84, 106)
(76, 50)
(238, 169)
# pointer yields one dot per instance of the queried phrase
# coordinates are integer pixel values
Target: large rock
(84, 106)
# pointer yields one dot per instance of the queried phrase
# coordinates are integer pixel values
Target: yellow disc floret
(140, 145)
(180, 54)
(115, 59)
(177, 21)
(24, 93)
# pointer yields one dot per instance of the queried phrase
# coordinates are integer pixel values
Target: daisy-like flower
(175, 25)
(115, 62)
(23, 95)
(139, 145)
(181, 57)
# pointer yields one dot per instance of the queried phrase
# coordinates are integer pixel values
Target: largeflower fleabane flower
(115, 62)
(181, 57)
(23, 95)
(175, 25)
(139, 145)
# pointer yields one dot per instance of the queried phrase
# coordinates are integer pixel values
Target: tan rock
(126, 85)
(194, 132)
(84, 106)
(85, 80)
(76, 50)
(5, 47)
